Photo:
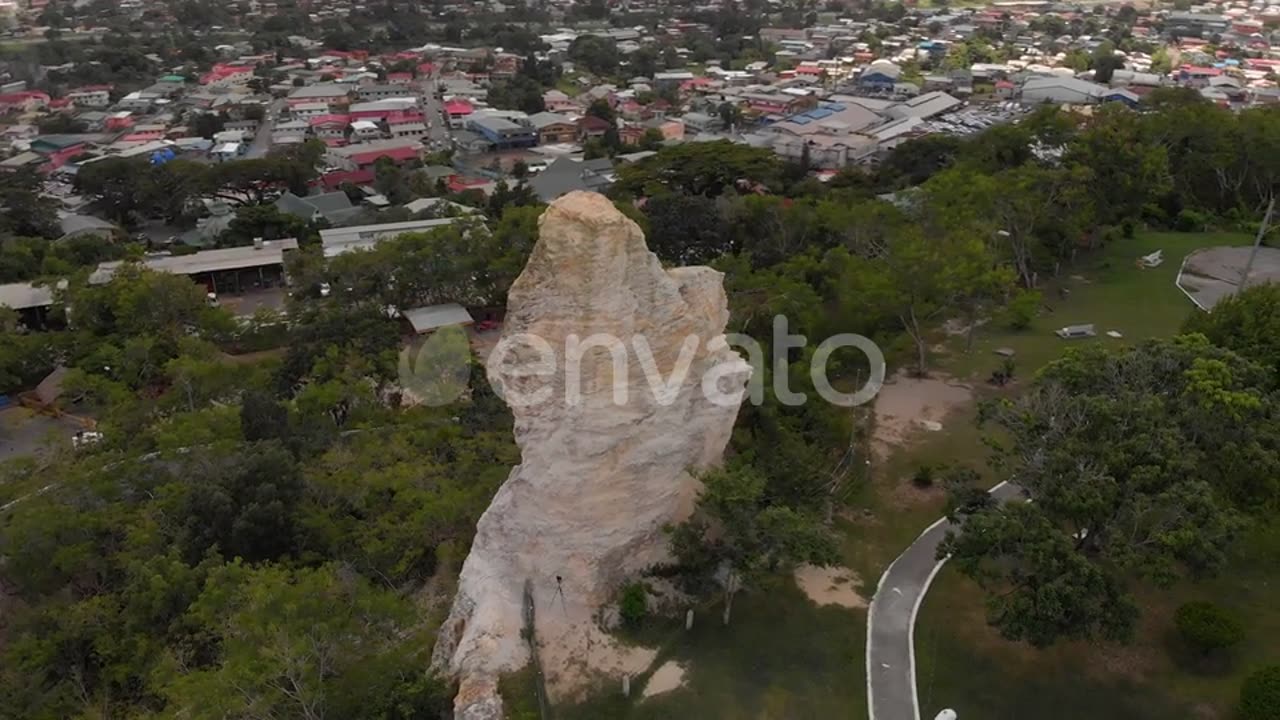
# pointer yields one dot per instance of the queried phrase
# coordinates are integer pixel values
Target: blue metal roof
(819, 113)
(799, 120)
(837, 107)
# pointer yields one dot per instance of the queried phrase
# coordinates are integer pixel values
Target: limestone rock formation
(600, 474)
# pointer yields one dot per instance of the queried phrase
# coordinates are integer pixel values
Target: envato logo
(730, 368)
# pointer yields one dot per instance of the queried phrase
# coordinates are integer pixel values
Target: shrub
(1207, 627)
(924, 476)
(1022, 309)
(1004, 374)
(1260, 695)
(1127, 228)
(1190, 221)
(633, 607)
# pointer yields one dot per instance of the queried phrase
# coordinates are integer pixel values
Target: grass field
(783, 657)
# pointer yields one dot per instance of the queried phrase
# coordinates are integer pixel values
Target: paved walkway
(891, 621)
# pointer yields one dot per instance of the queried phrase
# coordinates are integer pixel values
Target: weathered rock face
(600, 474)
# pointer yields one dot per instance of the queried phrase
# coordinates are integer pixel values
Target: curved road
(891, 621)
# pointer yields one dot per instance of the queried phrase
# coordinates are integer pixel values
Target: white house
(95, 97)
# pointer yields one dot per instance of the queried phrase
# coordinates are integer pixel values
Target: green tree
(755, 539)
(206, 124)
(708, 168)
(730, 115)
(914, 278)
(685, 229)
(27, 210)
(602, 109)
(597, 54)
(1131, 481)
(1247, 322)
(267, 222)
(295, 643)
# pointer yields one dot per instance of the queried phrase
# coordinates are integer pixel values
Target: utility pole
(1257, 242)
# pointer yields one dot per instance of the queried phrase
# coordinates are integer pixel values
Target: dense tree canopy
(1140, 463)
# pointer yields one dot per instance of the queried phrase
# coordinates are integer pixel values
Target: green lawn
(1110, 292)
(781, 658)
(964, 665)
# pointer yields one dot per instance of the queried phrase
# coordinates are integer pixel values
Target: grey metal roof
(337, 241)
(543, 119)
(320, 90)
(565, 175)
(925, 106)
(76, 224)
(236, 258)
(20, 296)
(434, 317)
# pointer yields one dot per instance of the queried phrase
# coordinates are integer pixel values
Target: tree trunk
(973, 325)
(912, 326)
(730, 589)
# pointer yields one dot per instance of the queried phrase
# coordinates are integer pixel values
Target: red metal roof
(398, 154)
(329, 119)
(332, 180)
(458, 107)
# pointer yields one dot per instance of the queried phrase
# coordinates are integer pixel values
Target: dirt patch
(830, 585)
(1133, 662)
(666, 678)
(907, 405)
(583, 656)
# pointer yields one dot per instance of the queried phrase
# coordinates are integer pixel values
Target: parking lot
(976, 118)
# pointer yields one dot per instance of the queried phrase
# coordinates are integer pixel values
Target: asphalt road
(434, 109)
(891, 620)
(262, 140)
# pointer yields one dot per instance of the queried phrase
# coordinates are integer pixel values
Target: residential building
(334, 94)
(223, 152)
(1201, 25)
(565, 175)
(293, 131)
(383, 109)
(591, 126)
(408, 130)
(365, 130)
(308, 110)
(553, 128)
(25, 101)
(358, 157)
(96, 96)
(667, 80)
(371, 93)
(330, 127)
(556, 102)
(225, 76)
(333, 207)
(458, 111)
(702, 122)
(778, 103)
(1197, 77)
